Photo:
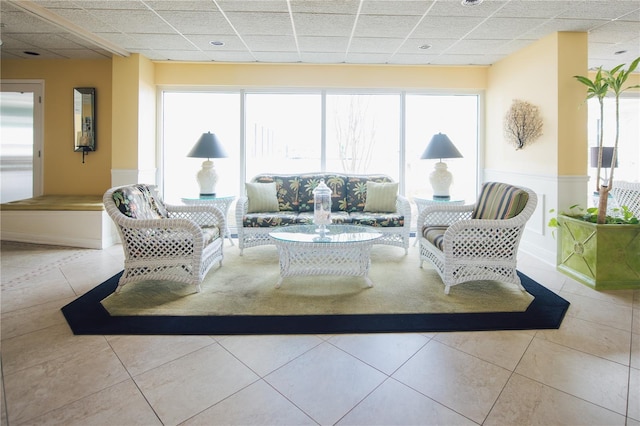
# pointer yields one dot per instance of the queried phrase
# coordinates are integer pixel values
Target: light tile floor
(587, 372)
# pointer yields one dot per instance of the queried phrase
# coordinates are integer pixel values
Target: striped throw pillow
(381, 197)
(500, 201)
(262, 197)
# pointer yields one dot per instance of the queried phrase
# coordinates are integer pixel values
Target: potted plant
(603, 83)
(594, 248)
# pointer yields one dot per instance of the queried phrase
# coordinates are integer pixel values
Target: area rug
(240, 298)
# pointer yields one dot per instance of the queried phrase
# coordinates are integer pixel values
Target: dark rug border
(87, 316)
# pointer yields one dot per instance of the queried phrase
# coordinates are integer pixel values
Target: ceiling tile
(338, 7)
(385, 26)
(271, 43)
(253, 5)
(375, 45)
(504, 28)
(197, 22)
(445, 27)
(323, 44)
(260, 23)
(133, 21)
(385, 7)
(322, 24)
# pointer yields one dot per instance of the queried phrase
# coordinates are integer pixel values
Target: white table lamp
(440, 147)
(208, 146)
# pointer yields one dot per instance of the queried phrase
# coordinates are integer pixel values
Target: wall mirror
(84, 120)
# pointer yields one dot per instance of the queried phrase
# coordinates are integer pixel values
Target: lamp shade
(607, 154)
(208, 146)
(440, 147)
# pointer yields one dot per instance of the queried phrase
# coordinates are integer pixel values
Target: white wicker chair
(164, 242)
(464, 249)
(627, 194)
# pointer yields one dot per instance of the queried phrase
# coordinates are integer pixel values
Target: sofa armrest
(403, 207)
(242, 207)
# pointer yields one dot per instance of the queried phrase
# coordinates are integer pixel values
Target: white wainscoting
(87, 229)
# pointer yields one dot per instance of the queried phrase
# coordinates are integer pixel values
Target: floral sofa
(273, 200)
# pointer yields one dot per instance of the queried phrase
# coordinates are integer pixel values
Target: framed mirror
(84, 119)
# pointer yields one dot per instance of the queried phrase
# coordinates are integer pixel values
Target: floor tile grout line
(48, 267)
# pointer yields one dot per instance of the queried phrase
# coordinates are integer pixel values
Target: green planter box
(604, 257)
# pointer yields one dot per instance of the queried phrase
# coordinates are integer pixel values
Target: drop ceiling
(437, 32)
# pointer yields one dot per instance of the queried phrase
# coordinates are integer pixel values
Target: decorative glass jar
(322, 207)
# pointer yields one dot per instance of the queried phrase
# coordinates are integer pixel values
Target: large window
(455, 116)
(283, 133)
(186, 116)
(313, 131)
(628, 148)
(363, 133)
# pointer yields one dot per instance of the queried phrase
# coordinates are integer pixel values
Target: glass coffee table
(342, 250)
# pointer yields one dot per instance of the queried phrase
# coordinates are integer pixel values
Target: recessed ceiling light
(425, 47)
(471, 2)
(216, 43)
(27, 52)
(619, 52)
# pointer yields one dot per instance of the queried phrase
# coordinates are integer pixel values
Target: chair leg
(446, 289)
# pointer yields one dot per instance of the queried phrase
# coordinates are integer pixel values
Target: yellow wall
(305, 75)
(63, 170)
(540, 74)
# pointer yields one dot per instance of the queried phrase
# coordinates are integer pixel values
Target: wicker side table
(222, 203)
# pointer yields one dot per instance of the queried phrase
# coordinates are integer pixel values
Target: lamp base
(440, 180)
(207, 178)
(212, 195)
(441, 197)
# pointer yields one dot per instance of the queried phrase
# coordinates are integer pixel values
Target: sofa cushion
(435, 235)
(336, 217)
(266, 220)
(357, 190)
(338, 185)
(381, 197)
(387, 220)
(140, 202)
(308, 182)
(499, 201)
(262, 197)
(286, 188)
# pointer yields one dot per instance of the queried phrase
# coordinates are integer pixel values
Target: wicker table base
(344, 251)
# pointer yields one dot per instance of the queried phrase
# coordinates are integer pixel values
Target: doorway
(21, 124)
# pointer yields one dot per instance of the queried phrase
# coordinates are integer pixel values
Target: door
(21, 123)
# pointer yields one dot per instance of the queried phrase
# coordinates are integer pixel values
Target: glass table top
(343, 234)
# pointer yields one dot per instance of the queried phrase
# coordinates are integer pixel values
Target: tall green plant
(603, 83)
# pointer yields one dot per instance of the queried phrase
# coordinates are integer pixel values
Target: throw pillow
(381, 197)
(263, 197)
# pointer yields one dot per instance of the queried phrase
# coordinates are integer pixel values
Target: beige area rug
(245, 285)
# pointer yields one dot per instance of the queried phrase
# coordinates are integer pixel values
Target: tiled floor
(587, 372)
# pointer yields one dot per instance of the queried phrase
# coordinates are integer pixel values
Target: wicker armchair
(164, 242)
(627, 194)
(480, 241)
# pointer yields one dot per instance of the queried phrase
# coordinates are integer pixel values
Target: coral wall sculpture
(522, 123)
